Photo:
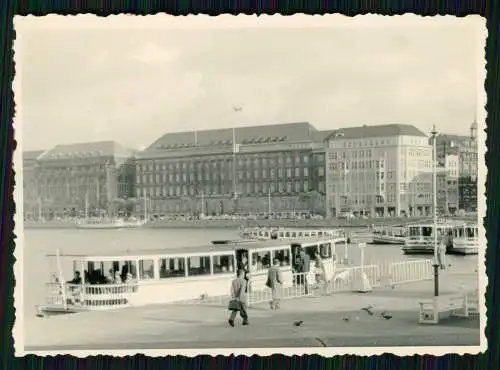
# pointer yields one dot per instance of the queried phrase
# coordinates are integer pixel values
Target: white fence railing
(410, 271)
(346, 279)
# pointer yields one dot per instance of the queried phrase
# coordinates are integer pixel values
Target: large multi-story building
(276, 168)
(30, 186)
(379, 170)
(462, 150)
(96, 176)
(447, 184)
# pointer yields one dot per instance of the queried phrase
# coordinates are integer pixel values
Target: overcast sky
(133, 85)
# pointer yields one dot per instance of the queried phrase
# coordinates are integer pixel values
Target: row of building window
(372, 164)
(218, 163)
(185, 177)
(248, 188)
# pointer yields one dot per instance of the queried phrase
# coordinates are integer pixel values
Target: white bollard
(346, 257)
(362, 282)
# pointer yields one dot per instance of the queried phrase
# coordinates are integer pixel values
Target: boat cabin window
(294, 234)
(287, 234)
(471, 232)
(172, 267)
(261, 260)
(413, 231)
(223, 264)
(283, 255)
(198, 265)
(320, 233)
(325, 250)
(281, 234)
(301, 235)
(427, 231)
(110, 272)
(146, 269)
(459, 232)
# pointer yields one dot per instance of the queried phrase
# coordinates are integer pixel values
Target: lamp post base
(436, 279)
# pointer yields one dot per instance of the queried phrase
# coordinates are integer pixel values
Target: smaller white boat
(420, 238)
(267, 233)
(389, 235)
(465, 240)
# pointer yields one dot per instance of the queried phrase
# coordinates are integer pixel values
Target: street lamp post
(434, 206)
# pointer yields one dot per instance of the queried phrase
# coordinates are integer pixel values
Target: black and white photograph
(250, 185)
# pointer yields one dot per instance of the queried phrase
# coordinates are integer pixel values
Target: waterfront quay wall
(234, 224)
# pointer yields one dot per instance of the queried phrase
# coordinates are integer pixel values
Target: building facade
(379, 170)
(94, 177)
(447, 184)
(259, 169)
(30, 185)
(463, 150)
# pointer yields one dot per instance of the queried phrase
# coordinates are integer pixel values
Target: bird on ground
(368, 309)
(237, 108)
(298, 323)
(386, 315)
(345, 319)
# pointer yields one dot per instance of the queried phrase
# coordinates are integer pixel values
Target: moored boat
(465, 240)
(173, 275)
(420, 237)
(389, 235)
(109, 224)
(266, 233)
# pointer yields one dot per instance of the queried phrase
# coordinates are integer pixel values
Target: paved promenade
(328, 321)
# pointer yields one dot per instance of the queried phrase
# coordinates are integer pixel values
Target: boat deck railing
(90, 296)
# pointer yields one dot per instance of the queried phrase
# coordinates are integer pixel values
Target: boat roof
(443, 223)
(196, 250)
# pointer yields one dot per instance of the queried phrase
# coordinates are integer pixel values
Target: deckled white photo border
(164, 21)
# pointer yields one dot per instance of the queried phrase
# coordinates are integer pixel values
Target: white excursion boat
(266, 233)
(174, 275)
(389, 235)
(420, 237)
(109, 224)
(465, 240)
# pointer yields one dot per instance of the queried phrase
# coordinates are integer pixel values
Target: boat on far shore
(287, 233)
(105, 224)
(389, 235)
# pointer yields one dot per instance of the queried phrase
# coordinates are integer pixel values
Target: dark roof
(32, 154)
(287, 132)
(83, 150)
(446, 138)
(320, 136)
(376, 131)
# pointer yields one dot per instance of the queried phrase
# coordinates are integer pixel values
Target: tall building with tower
(458, 161)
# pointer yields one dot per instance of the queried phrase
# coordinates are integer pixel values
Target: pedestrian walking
(275, 283)
(238, 301)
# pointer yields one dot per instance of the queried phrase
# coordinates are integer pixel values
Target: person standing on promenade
(304, 268)
(238, 301)
(274, 282)
(319, 272)
(441, 253)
